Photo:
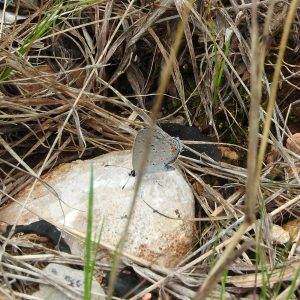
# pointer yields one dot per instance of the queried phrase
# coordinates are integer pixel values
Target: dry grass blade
(221, 265)
(79, 78)
(165, 75)
(252, 183)
(289, 19)
(253, 168)
(278, 275)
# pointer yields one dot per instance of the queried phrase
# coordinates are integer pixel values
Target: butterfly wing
(163, 151)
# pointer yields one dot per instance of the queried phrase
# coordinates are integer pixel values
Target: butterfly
(163, 151)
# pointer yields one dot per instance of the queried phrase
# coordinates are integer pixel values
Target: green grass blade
(88, 241)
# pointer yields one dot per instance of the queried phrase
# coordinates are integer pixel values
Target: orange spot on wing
(173, 149)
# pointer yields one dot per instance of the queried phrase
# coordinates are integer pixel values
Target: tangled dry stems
(77, 91)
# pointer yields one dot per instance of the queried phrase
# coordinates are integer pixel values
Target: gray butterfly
(164, 150)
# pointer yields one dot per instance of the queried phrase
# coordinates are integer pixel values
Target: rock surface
(161, 230)
(67, 276)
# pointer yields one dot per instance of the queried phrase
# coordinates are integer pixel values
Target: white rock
(161, 230)
(67, 276)
(9, 17)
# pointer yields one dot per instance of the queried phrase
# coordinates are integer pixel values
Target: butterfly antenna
(116, 166)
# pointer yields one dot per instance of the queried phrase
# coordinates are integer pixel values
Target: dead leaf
(34, 80)
(291, 172)
(293, 143)
(292, 227)
(228, 153)
(198, 187)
